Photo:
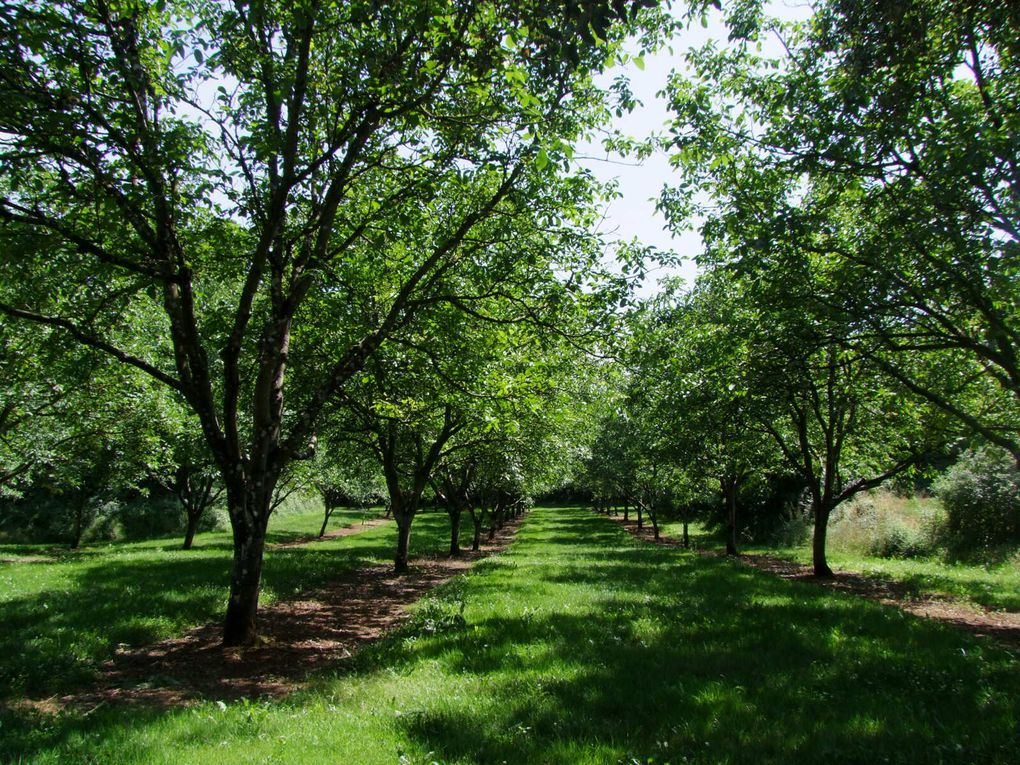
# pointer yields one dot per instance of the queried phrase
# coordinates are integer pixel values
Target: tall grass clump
(887, 525)
(981, 496)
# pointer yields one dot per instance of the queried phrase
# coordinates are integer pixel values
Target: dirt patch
(1003, 626)
(318, 629)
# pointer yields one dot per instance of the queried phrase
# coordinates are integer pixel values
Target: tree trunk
(476, 540)
(240, 627)
(194, 516)
(640, 517)
(626, 512)
(403, 542)
(325, 520)
(249, 503)
(729, 486)
(78, 529)
(821, 565)
(653, 516)
(454, 531)
(687, 538)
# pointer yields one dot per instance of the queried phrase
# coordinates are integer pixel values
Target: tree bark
(403, 543)
(240, 627)
(729, 487)
(250, 506)
(454, 531)
(821, 565)
(194, 516)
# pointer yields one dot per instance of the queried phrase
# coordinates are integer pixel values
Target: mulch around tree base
(317, 630)
(1002, 626)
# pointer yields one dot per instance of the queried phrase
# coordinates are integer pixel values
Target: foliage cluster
(981, 497)
(855, 317)
(261, 226)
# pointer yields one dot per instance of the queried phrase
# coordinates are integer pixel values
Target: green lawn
(995, 587)
(583, 645)
(59, 619)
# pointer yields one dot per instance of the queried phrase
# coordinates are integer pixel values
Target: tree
(281, 187)
(900, 123)
(690, 360)
(840, 423)
(192, 478)
(46, 387)
(345, 475)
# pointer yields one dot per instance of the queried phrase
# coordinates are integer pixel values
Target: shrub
(898, 540)
(981, 496)
(888, 525)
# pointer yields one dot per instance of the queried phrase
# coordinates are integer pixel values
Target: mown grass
(63, 615)
(859, 528)
(583, 645)
(992, 586)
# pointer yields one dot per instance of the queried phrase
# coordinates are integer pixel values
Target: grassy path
(583, 645)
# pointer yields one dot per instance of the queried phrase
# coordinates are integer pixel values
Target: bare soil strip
(1003, 626)
(317, 630)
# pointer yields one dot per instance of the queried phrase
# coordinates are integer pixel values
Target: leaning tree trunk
(653, 516)
(403, 542)
(821, 512)
(329, 508)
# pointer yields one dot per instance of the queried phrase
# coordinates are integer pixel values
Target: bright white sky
(633, 214)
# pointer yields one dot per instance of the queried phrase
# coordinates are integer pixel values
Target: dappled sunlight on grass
(60, 620)
(583, 645)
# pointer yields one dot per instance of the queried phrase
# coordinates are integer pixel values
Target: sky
(633, 215)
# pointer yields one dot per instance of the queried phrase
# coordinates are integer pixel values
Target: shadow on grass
(982, 593)
(52, 641)
(583, 645)
(929, 578)
(684, 659)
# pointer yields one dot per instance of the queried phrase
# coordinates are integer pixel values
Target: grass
(60, 619)
(858, 528)
(996, 587)
(582, 645)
